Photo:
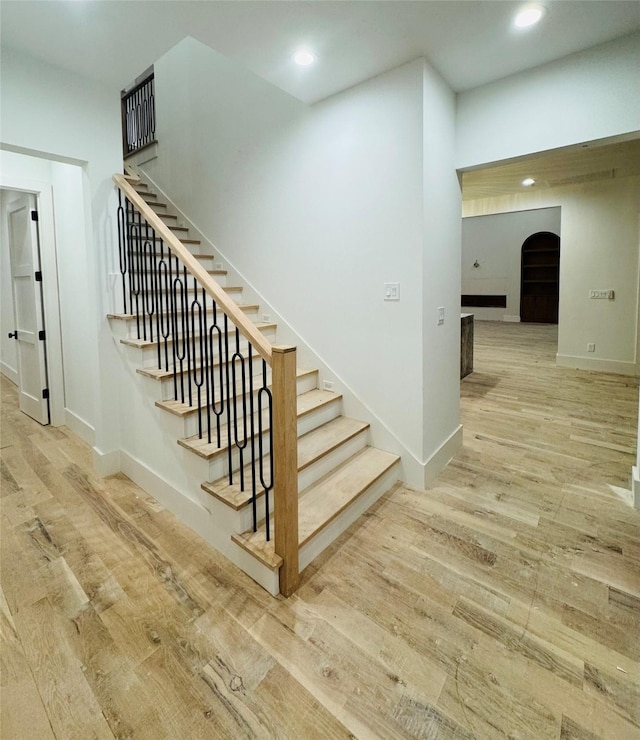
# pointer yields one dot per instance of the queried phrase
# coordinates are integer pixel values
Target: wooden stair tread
(256, 544)
(143, 238)
(142, 343)
(226, 288)
(311, 447)
(177, 408)
(323, 501)
(306, 403)
(179, 228)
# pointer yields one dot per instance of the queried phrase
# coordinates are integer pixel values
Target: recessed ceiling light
(529, 16)
(528, 182)
(304, 57)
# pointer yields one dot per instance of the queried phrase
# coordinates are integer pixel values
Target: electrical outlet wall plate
(602, 294)
(328, 385)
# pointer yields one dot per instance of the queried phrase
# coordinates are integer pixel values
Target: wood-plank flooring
(502, 603)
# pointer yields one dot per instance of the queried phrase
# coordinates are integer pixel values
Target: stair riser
(166, 387)
(218, 466)
(236, 296)
(207, 261)
(204, 261)
(307, 477)
(191, 420)
(221, 280)
(331, 460)
(148, 356)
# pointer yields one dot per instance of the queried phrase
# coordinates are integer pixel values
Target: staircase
(337, 474)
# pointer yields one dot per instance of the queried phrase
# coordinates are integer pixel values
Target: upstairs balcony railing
(138, 116)
(242, 387)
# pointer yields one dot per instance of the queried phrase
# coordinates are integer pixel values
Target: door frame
(43, 192)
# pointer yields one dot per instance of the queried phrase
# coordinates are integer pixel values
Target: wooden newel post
(285, 465)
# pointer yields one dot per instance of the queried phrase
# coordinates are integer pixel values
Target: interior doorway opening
(24, 356)
(540, 278)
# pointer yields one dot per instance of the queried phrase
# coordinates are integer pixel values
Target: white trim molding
(9, 372)
(618, 367)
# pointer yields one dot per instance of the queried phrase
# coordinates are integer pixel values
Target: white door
(27, 303)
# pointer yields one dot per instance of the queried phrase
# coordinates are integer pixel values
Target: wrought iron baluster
(204, 362)
(261, 434)
(134, 241)
(240, 441)
(149, 287)
(122, 248)
(219, 404)
(197, 369)
(164, 310)
(254, 486)
(229, 395)
(179, 339)
(173, 326)
(187, 327)
(138, 115)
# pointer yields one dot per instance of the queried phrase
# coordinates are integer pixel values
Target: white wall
(586, 96)
(319, 207)
(495, 242)
(599, 250)
(440, 274)
(59, 116)
(8, 350)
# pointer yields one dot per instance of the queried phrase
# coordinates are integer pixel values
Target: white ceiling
(470, 42)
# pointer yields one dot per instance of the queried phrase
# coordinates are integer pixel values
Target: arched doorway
(540, 278)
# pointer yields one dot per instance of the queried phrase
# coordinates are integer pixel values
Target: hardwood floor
(503, 602)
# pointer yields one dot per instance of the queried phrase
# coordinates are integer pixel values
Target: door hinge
(42, 336)
(45, 393)
(38, 276)
(34, 215)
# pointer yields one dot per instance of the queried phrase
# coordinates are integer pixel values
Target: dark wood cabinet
(540, 283)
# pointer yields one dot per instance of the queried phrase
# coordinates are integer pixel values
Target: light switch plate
(392, 291)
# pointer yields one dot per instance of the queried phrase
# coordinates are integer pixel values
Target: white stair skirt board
(617, 367)
(209, 524)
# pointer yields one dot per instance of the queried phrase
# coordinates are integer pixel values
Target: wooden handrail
(227, 305)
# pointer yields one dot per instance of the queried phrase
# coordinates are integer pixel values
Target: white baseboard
(79, 426)
(441, 457)
(9, 372)
(512, 319)
(106, 463)
(635, 486)
(617, 367)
